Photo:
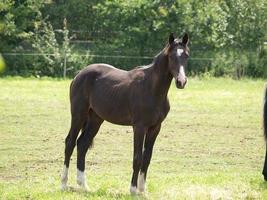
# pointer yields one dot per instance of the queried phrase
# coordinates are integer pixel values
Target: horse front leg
(139, 133)
(264, 172)
(147, 154)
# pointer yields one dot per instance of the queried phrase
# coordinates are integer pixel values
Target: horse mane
(156, 58)
(162, 53)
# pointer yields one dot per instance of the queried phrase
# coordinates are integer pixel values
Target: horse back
(106, 90)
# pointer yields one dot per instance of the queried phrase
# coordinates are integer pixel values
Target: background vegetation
(41, 37)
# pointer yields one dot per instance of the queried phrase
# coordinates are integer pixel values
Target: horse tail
(265, 113)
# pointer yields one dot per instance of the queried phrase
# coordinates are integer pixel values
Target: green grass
(210, 145)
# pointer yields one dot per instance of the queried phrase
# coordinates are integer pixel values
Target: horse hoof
(79, 182)
(133, 190)
(63, 187)
(85, 188)
(83, 185)
(141, 189)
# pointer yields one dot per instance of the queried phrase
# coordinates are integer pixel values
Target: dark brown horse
(136, 98)
(264, 172)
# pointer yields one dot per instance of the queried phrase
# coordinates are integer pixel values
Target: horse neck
(161, 76)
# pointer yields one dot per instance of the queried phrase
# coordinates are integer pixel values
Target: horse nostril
(185, 81)
(178, 83)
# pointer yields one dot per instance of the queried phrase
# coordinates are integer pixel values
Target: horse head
(178, 53)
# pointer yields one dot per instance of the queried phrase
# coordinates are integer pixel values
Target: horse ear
(171, 38)
(185, 39)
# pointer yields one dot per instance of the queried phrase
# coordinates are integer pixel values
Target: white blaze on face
(181, 78)
(180, 51)
(181, 73)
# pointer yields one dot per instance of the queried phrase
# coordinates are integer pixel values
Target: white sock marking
(133, 190)
(141, 182)
(64, 178)
(81, 179)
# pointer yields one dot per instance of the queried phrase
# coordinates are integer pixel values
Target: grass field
(210, 145)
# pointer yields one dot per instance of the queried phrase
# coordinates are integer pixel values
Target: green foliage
(46, 44)
(55, 56)
(228, 63)
(17, 21)
(217, 29)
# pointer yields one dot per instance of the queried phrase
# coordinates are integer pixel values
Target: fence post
(65, 64)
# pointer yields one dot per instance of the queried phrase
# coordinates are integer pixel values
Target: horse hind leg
(77, 121)
(85, 141)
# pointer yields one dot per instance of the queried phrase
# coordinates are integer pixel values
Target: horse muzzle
(180, 83)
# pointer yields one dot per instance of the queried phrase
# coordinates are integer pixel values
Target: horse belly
(111, 107)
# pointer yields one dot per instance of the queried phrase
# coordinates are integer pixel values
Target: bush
(55, 57)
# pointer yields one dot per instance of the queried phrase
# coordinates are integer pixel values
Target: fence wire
(197, 63)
